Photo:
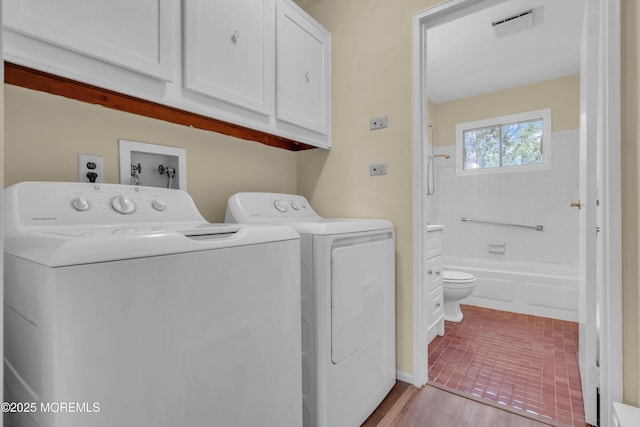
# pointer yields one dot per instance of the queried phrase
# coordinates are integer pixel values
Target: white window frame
(544, 114)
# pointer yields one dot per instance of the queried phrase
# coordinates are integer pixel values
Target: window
(511, 143)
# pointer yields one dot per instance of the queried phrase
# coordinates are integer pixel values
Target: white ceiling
(465, 58)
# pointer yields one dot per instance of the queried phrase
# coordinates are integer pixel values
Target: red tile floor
(526, 362)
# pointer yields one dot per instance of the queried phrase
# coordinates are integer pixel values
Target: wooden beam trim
(29, 78)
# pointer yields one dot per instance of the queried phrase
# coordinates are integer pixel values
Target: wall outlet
(378, 123)
(377, 169)
(90, 168)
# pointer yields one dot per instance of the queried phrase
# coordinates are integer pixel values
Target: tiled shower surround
(529, 363)
(528, 198)
(517, 269)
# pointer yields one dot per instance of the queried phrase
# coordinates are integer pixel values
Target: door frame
(610, 116)
(610, 119)
(2, 167)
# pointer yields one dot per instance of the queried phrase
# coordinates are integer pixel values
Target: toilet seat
(451, 276)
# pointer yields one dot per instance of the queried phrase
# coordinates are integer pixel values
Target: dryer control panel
(248, 207)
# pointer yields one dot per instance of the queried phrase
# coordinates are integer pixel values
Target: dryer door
(361, 281)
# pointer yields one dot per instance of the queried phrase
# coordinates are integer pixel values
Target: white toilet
(456, 286)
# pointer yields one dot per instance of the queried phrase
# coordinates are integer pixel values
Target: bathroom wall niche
(152, 165)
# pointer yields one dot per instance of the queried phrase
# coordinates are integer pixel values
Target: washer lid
(60, 224)
(456, 276)
(66, 246)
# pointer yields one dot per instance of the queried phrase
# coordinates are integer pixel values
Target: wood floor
(407, 406)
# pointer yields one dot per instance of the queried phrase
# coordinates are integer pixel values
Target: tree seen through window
(503, 145)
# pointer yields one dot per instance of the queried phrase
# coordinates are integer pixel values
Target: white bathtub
(548, 290)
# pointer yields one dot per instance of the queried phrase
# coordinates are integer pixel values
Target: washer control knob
(123, 205)
(158, 205)
(280, 205)
(80, 204)
(295, 206)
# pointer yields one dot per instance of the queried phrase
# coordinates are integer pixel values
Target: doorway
(603, 14)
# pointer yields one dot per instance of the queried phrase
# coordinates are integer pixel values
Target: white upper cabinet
(229, 49)
(133, 34)
(303, 69)
(258, 64)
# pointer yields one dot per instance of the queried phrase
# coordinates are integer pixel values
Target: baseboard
(404, 377)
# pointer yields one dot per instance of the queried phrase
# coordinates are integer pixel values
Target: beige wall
(630, 200)
(371, 76)
(562, 95)
(45, 133)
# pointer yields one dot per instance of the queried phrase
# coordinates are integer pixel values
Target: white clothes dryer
(124, 307)
(348, 306)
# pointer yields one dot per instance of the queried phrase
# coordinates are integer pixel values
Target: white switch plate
(378, 123)
(377, 169)
(85, 164)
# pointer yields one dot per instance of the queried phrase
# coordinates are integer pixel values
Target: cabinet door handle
(437, 305)
(430, 272)
(307, 77)
(437, 273)
(235, 36)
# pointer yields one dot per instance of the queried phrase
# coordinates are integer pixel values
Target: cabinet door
(436, 267)
(229, 51)
(437, 304)
(136, 35)
(434, 244)
(427, 301)
(303, 70)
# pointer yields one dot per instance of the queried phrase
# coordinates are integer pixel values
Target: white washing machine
(124, 307)
(348, 306)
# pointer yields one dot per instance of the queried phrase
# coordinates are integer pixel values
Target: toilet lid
(456, 276)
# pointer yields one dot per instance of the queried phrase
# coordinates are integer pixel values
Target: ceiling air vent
(513, 24)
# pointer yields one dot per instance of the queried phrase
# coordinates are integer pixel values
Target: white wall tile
(529, 198)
